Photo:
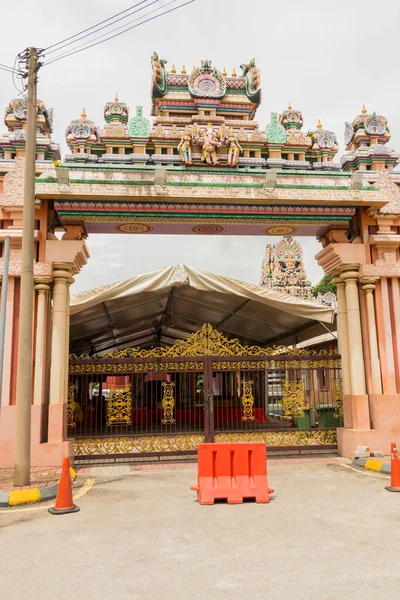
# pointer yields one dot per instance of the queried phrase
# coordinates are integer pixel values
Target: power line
(94, 26)
(122, 26)
(9, 69)
(97, 28)
(118, 34)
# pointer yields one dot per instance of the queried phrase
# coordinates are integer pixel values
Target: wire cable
(122, 26)
(94, 26)
(118, 34)
(104, 27)
(9, 69)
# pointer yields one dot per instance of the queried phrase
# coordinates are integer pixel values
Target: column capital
(349, 273)
(62, 271)
(337, 280)
(368, 283)
(42, 285)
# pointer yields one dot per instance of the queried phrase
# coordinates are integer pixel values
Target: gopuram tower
(283, 269)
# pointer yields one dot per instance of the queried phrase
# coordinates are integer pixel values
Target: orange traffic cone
(394, 471)
(64, 503)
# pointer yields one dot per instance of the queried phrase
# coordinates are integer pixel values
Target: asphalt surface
(329, 533)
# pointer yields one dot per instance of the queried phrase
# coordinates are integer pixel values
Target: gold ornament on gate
(338, 398)
(293, 399)
(168, 402)
(248, 401)
(71, 406)
(119, 405)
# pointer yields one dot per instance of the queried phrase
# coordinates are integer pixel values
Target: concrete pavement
(329, 534)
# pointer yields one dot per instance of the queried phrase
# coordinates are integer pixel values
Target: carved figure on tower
(185, 146)
(209, 142)
(234, 148)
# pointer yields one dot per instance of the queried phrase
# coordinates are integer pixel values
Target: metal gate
(206, 388)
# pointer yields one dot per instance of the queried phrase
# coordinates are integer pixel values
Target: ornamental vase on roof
(291, 119)
(116, 111)
(82, 129)
(324, 139)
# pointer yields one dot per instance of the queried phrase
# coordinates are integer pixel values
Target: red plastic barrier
(394, 470)
(232, 472)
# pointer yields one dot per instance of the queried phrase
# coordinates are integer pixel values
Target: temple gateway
(165, 360)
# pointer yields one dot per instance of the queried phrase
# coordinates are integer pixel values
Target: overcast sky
(326, 58)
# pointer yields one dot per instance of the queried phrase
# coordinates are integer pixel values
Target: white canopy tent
(172, 303)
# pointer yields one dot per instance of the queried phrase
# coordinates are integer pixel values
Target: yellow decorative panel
(293, 399)
(131, 445)
(247, 401)
(119, 405)
(162, 443)
(209, 342)
(168, 402)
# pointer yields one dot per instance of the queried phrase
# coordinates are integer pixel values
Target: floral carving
(13, 186)
(14, 267)
(390, 192)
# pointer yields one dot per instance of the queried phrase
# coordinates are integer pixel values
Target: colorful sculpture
(234, 148)
(185, 146)
(209, 142)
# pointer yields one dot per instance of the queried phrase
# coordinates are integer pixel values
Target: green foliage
(324, 286)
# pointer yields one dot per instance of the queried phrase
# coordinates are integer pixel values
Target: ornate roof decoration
(376, 125)
(324, 139)
(82, 129)
(276, 132)
(139, 126)
(253, 81)
(291, 118)
(16, 113)
(348, 133)
(116, 111)
(159, 76)
(283, 269)
(206, 81)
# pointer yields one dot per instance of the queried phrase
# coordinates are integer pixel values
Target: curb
(372, 464)
(30, 495)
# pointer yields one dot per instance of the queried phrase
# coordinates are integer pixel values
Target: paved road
(329, 534)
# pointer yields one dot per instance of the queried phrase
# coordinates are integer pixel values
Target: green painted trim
(196, 216)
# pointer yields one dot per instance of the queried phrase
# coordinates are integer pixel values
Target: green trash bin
(326, 417)
(304, 422)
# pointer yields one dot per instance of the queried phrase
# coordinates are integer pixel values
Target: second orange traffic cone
(394, 471)
(64, 503)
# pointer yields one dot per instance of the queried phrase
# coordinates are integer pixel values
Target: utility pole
(22, 460)
(3, 310)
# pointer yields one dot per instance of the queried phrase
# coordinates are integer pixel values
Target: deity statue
(234, 148)
(185, 146)
(209, 143)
